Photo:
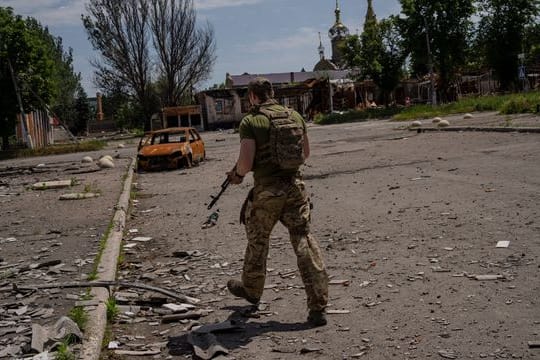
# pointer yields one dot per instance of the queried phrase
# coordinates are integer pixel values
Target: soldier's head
(260, 90)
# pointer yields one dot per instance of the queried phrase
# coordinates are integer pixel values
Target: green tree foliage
(372, 48)
(502, 32)
(447, 24)
(532, 43)
(391, 58)
(352, 52)
(83, 113)
(25, 51)
(43, 71)
(378, 53)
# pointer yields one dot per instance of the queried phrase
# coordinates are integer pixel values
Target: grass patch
(112, 309)
(505, 104)
(90, 145)
(79, 316)
(102, 243)
(63, 352)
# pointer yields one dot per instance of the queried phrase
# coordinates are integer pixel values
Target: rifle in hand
(216, 198)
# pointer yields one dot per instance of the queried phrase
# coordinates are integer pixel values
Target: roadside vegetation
(79, 316)
(505, 104)
(91, 145)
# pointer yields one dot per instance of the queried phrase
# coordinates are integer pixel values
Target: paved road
(406, 219)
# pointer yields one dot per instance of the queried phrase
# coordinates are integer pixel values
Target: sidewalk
(47, 240)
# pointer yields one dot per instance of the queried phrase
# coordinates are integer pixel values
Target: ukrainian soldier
(274, 144)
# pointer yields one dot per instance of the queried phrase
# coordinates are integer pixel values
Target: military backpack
(286, 139)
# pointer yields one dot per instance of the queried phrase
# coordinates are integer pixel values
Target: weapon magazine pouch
(249, 199)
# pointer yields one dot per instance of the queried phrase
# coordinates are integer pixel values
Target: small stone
(436, 120)
(467, 116)
(87, 159)
(416, 123)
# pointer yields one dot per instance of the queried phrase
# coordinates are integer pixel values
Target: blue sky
(254, 36)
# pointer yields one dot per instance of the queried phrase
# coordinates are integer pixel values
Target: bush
(517, 105)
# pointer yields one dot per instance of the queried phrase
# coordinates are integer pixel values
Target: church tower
(338, 34)
(370, 14)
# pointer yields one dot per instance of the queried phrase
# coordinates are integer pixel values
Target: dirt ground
(406, 222)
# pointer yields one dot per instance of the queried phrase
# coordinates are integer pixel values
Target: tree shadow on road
(241, 333)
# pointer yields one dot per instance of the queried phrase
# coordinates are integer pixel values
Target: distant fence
(34, 130)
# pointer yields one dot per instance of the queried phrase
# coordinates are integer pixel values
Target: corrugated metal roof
(290, 77)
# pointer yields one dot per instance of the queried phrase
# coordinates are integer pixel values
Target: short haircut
(262, 88)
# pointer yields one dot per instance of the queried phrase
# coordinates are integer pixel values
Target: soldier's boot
(237, 289)
(317, 317)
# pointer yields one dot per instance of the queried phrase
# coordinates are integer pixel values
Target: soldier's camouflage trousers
(282, 200)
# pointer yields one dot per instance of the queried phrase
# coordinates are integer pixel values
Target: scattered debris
(106, 284)
(44, 338)
(141, 239)
(447, 354)
(488, 277)
(79, 196)
(503, 244)
(535, 344)
(211, 221)
(52, 184)
(206, 346)
(339, 282)
(337, 312)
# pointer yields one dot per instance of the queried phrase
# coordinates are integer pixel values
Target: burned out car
(170, 148)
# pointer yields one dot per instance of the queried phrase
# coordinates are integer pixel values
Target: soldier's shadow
(240, 328)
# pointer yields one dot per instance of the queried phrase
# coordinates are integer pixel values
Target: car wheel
(187, 161)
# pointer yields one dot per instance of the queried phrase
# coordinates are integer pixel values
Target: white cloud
(49, 12)
(214, 4)
(68, 12)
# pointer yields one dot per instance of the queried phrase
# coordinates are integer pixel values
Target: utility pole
(430, 65)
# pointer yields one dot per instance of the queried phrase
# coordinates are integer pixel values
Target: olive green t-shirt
(256, 126)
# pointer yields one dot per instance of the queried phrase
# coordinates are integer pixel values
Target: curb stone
(106, 270)
(476, 128)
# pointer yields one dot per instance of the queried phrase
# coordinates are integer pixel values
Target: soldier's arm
(246, 156)
(306, 146)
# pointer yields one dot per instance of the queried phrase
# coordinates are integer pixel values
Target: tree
(378, 53)
(83, 113)
(532, 43)
(24, 64)
(66, 81)
(119, 30)
(503, 26)
(445, 25)
(352, 52)
(185, 53)
(391, 58)
(371, 49)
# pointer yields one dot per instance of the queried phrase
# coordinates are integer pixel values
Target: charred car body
(170, 148)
